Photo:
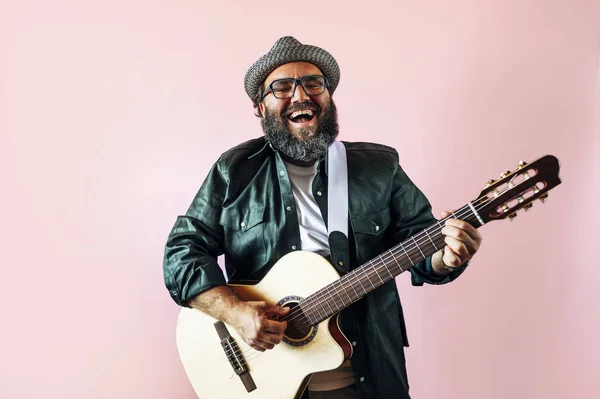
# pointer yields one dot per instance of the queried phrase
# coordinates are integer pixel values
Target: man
(268, 197)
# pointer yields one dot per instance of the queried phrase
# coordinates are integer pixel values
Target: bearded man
(270, 196)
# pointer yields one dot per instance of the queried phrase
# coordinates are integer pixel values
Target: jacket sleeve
(410, 213)
(196, 240)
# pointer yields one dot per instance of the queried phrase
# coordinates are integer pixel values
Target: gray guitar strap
(337, 198)
(337, 205)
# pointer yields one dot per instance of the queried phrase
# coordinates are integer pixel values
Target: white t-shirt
(313, 233)
(314, 238)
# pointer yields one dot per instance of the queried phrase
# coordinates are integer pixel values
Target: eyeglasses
(313, 85)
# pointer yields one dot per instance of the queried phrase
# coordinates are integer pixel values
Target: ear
(261, 108)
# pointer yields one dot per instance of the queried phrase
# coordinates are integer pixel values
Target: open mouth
(301, 116)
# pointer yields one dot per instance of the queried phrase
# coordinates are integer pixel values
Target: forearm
(254, 320)
(218, 302)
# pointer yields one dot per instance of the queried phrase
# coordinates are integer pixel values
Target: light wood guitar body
(279, 373)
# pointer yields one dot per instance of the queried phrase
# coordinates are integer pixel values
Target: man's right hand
(254, 322)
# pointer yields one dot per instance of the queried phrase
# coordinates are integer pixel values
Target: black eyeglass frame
(296, 83)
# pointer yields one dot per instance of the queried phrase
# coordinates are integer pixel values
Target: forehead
(293, 70)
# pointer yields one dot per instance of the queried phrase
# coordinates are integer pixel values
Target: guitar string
(318, 298)
(478, 204)
(355, 275)
(253, 356)
(296, 313)
(250, 349)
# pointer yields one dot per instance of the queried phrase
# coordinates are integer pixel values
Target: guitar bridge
(234, 355)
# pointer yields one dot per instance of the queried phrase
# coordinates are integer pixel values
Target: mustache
(303, 105)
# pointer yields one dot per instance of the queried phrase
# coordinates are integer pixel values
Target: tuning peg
(522, 164)
(544, 197)
(503, 175)
(527, 206)
(512, 216)
(492, 181)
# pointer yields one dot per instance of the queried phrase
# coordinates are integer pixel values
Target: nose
(300, 95)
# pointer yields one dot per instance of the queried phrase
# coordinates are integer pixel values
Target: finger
(255, 344)
(273, 326)
(262, 341)
(274, 310)
(450, 258)
(447, 213)
(267, 344)
(458, 247)
(263, 345)
(283, 311)
(270, 339)
(464, 226)
(460, 235)
(257, 348)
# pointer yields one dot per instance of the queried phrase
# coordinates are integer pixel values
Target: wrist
(437, 264)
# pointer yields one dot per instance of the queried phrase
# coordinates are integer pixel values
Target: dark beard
(309, 149)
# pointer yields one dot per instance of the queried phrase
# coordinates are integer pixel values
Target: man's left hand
(462, 242)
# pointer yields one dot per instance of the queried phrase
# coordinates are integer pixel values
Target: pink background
(111, 113)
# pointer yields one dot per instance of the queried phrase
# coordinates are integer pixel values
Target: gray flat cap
(285, 50)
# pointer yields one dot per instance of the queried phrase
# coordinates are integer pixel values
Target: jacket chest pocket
(244, 236)
(369, 233)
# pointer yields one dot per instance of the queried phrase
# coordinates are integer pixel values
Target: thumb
(276, 310)
(446, 213)
(283, 311)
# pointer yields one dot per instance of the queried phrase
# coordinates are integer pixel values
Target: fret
(407, 255)
(376, 272)
(396, 260)
(326, 301)
(386, 268)
(345, 290)
(360, 282)
(368, 278)
(418, 247)
(311, 318)
(352, 285)
(441, 227)
(334, 285)
(432, 243)
(339, 289)
(317, 308)
(308, 313)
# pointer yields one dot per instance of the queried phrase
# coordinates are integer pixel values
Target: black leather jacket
(245, 210)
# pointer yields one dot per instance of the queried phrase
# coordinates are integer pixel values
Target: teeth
(301, 112)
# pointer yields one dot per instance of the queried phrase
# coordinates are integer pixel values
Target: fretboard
(354, 285)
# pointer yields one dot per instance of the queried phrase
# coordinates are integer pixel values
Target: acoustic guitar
(220, 365)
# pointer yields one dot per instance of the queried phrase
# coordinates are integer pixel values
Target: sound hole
(299, 330)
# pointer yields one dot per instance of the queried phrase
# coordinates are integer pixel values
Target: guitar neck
(354, 285)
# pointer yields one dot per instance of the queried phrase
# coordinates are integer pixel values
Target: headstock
(518, 189)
